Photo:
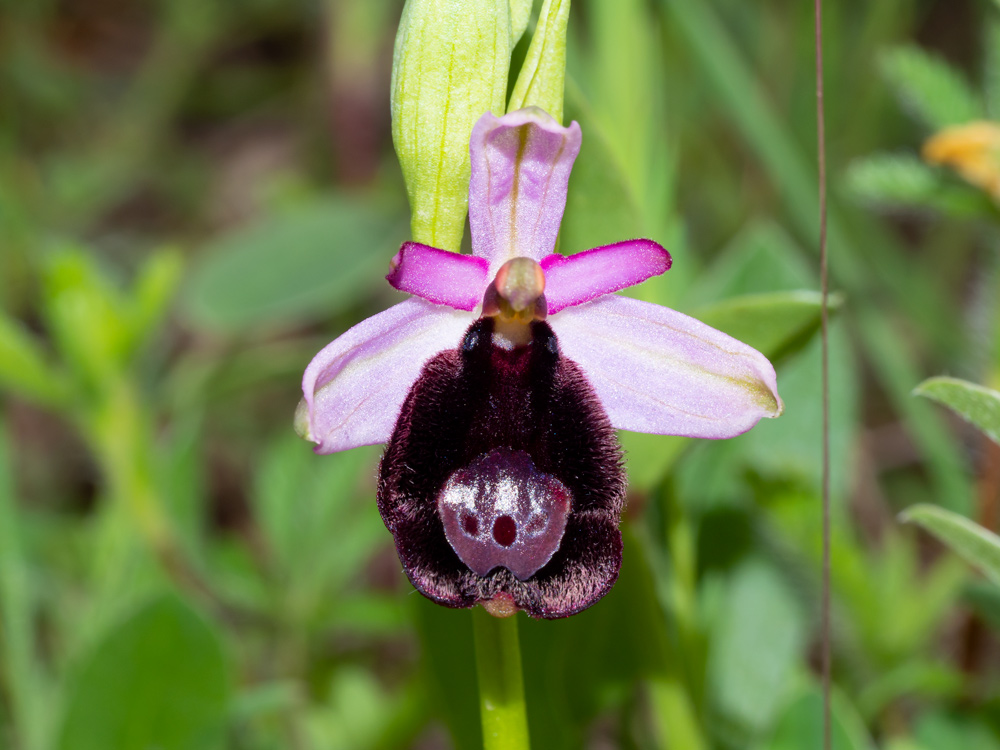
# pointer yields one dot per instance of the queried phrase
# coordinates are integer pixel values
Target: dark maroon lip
(480, 414)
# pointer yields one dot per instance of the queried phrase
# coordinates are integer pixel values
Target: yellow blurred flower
(972, 150)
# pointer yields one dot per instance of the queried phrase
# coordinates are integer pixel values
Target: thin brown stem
(825, 385)
(974, 633)
(989, 485)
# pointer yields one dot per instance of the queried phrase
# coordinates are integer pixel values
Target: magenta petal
(517, 193)
(574, 279)
(656, 370)
(439, 276)
(355, 387)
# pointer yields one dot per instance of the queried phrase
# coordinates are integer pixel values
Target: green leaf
(769, 323)
(915, 679)
(620, 70)
(600, 205)
(864, 255)
(649, 457)
(158, 680)
(358, 713)
(892, 179)
(20, 670)
(371, 614)
(991, 74)
(976, 545)
(984, 598)
(581, 666)
(930, 89)
(756, 641)
(312, 261)
(625, 85)
(154, 289)
(973, 403)
(86, 315)
(904, 181)
(301, 498)
(264, 698)
(898, 604)
(303, 501)
(24, 370)
(354, 715)
(761, 258)
(786, 447)
(520, 15)
(940, 729)
(801, 724)
(449, 661)
(542, 80)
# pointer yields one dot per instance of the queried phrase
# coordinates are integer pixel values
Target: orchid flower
(498, 385)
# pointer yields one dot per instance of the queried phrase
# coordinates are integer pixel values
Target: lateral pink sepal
(575, 279)
(439, 276)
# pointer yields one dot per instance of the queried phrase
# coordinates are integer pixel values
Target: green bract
(520, 14)
(543, 75)
(450, 66)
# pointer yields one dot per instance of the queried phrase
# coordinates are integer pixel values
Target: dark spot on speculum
(503, 476)
(524, 510)
(504, 531)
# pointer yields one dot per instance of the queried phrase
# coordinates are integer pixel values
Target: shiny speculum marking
(500, 511)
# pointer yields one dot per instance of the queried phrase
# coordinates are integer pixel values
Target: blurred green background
(197, 195)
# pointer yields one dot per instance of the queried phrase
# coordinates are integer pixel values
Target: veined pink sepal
(439, 276)
(517, 192)
(575, 279)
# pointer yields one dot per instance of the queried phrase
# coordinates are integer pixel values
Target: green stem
(674, 716)
(20, 671)
(501, 687)
(119, 432)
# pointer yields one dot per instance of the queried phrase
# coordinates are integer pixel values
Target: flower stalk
(501, 686)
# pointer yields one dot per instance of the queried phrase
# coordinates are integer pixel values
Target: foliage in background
(194, 199)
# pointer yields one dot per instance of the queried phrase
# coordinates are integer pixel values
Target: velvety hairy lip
(533, 412)
(480, 458)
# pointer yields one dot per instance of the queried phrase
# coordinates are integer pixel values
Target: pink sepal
(517, 192)
(657, 370)
(439, 276)
(575, 279)
(356, 385)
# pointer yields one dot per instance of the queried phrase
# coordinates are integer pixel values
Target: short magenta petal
(517, 193)
(657, 370)
(574, 279)
(354, 388)
(439, 276)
